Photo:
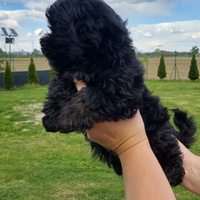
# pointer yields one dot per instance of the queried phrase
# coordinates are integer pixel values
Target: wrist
(133, 148)
(191, 179)
(134, 141)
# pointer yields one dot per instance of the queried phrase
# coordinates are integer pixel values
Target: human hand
(191, 164)
(141, 169)
(117, 136)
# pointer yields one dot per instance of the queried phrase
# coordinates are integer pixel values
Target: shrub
(194, 72)
(52, 73)
(32, 74)
(146, 60)
(1, 65)
(7, 77)
(161, 73)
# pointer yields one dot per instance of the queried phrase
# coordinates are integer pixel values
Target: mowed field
(182, 63)
(40, 165)
(22, 64)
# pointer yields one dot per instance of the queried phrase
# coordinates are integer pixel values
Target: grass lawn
(36, 165)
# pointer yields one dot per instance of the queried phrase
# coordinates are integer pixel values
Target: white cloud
(39, 6)
(10, 18)
(177, 30)
(125, 8)
(14, 1)
(3, 15)
(19, 18)
(29, 34)
(187, 34)
(10, 23)
(192, 36)
(147, 34)
(39, 32)
(35, 14)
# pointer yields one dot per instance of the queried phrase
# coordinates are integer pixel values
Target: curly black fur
(88, 41)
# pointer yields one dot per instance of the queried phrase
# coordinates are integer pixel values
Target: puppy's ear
(47, 40)
(57, 45)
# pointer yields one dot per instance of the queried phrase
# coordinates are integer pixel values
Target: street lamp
(9, 38)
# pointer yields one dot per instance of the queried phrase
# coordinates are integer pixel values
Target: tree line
(32, 76)
(37, 53)
(21, 54)
(157, 52)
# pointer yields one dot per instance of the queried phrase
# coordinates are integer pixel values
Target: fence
(20, 78)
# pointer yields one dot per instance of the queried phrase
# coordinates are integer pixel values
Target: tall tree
(1, 65)
(2, 59)
(146, 60)
(193, 72)
(8, 77)
(32, 74)
(194, 50)
(161, 73)
(52, 73)
(36, 53)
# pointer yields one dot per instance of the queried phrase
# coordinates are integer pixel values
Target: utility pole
(175, 70)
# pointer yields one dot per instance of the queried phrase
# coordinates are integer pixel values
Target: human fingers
(79, 84)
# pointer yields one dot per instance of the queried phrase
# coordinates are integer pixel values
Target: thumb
(79, 84)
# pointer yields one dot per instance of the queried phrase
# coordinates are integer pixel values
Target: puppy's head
(85, 36)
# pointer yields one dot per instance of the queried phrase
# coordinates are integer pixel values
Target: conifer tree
(194, 72)
(7, 77)
(32, 74)
(52, 73)
(146, 60)
(161, 73)
(1, 65)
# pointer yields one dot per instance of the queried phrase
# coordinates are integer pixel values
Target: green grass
(36, 165)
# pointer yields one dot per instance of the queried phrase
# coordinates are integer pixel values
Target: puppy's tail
(186, 126)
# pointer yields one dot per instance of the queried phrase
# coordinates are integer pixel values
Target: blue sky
(168, 24)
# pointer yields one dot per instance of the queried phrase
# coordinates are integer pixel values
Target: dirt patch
(182, 102)
(63, 193)
(7, 133)
(29, 111)
(28, 100)
(7, 117)
(25, 130)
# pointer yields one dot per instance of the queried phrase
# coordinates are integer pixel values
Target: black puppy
(88, 41)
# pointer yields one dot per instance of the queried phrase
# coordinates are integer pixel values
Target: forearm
(143, 177)
(191, 180)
